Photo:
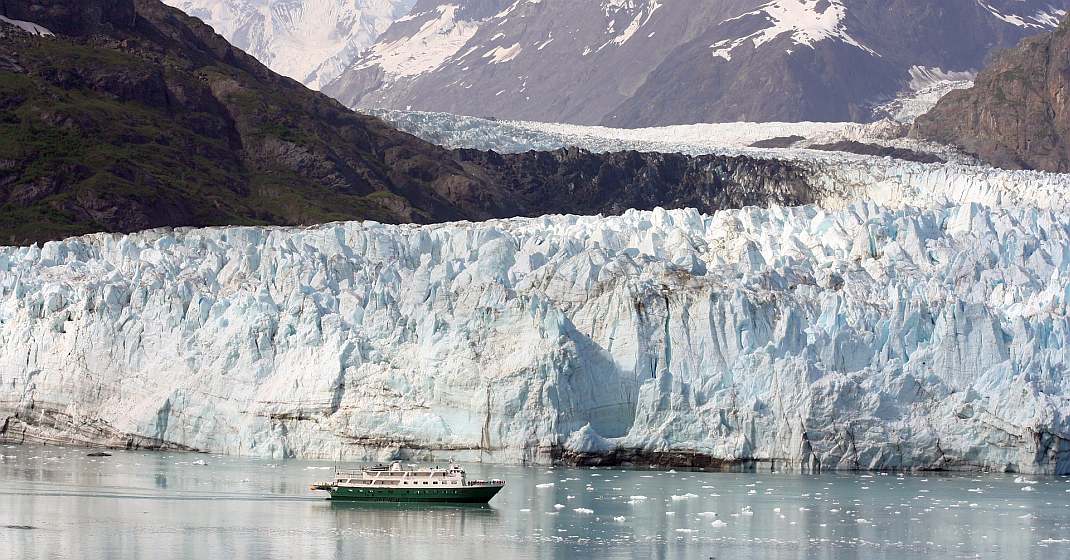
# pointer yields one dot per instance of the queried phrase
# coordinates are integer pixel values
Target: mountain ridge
(664, 62)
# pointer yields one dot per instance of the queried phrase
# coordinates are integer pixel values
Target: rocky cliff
(1017, 114)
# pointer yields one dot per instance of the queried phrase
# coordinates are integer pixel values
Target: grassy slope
(79, 152)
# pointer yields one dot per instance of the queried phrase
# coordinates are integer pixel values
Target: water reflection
(135, 505)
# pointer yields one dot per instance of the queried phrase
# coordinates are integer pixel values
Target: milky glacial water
(57, 503)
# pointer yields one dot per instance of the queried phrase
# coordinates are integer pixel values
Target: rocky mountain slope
(1017, 114)
(628, 63)
(311, 41)
(135, 116)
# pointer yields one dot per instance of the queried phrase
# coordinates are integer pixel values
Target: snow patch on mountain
(804, 22)
(27, 26)
(924, 77)
(1043, 19)
(438, 39)
(641, 10)
(312, 41)
(499, 55)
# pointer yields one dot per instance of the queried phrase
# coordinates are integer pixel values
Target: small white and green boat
(396, 483)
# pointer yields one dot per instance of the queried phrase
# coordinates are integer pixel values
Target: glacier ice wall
(861, 337)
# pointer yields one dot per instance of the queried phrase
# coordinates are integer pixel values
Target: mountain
(1017, 114)
(311, 41)
(134, 115)
(859, 338)
(630, 63)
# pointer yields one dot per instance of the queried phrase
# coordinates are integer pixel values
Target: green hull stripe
(457, 495)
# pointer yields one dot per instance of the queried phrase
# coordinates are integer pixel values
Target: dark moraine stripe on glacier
(576, 181)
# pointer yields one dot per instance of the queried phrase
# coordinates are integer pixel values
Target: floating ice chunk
(687, 496)
(746, 511)
(717, 524)
(863, 521)
(708, 514)
(559, 506)
(620, 519)
(1027, 488)
(545, 485)
(776, 510)
(685, 530)
(200, 463)
(583, 511)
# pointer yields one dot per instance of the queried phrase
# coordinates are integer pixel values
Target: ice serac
(862, 338)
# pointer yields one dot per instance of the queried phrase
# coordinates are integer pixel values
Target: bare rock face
(641, 63)
(1017, 115)
(72, 17)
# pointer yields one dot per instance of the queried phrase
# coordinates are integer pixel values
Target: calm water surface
(58, 503)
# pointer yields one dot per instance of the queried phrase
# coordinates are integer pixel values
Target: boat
(395, 483)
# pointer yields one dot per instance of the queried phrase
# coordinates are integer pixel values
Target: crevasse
(862, 337)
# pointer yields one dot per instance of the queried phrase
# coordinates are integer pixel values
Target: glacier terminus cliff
(858, 337)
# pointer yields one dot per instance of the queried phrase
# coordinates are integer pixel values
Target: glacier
(838, 178)
(860, 336)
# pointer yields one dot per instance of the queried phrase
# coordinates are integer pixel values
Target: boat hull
(465, 495)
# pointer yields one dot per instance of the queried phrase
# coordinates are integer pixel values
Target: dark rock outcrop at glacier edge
(137, 116)
(1017, 114)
